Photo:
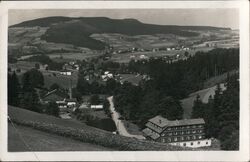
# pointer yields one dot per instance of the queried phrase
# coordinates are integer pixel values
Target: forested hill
(105, 23)
(77, 31)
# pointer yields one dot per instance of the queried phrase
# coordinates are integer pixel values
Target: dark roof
(163, 122)
(71, 100)
(57, 94)
(150, 134)
(156, 129)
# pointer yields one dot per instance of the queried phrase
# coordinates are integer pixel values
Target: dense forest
(221, 114)
(167, 83)
(26, 96)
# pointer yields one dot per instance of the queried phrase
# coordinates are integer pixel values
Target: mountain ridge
(78, 30)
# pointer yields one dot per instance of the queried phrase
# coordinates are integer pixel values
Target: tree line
(23, 93)
(221, 114)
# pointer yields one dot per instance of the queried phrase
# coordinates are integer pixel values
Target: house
(56, 95)
(65, 72)
(96, 107)
(107, 75)
(186, 133)
(71, 102)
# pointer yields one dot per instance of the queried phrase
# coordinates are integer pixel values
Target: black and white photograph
(108, 80)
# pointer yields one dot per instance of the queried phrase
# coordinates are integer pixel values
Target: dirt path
(119, 124)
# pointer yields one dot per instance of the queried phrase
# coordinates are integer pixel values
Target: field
(21, 138)
(61, 80)
(73, 56)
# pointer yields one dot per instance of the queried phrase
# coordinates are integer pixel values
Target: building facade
(186, 133)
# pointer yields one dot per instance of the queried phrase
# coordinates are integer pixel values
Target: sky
(193, 17)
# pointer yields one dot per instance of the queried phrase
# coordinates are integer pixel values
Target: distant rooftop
(163, 122)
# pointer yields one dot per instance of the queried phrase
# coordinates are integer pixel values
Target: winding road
(119, 124)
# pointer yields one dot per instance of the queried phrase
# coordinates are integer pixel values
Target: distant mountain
(77, 31)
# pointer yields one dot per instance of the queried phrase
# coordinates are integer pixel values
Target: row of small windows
(182, 132)
(176, 128)
(192, 143)
(186, 138)
(185, 127)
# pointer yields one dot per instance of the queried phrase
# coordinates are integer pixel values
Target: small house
(96, 107)
(56, 95)
(71, 102)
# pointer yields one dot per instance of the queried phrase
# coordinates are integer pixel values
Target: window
(198, 143)
(182, 138)
(194, 137)
(191, 143)
(169, 139)
(175, 139)
(200, 137)
(170, 134)
(206, 143)
(184, 144)
(163, 140)
(182, 132)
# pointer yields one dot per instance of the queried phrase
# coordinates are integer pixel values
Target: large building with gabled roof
(186, 132)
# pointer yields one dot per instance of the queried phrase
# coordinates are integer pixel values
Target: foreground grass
(21, 138)
(78, 131)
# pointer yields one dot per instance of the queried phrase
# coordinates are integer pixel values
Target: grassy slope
(82, 132)
(21, 138)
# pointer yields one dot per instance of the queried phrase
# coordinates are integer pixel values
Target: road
(119, 124)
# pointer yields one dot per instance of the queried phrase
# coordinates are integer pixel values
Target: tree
(198, 108)
(52, 109)
(13, 90)
(37, 66)
(111, 86)
(170, 108)
(82, 85)
(34, 78)
(94, 100)
(30, 100)
(76, 94)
